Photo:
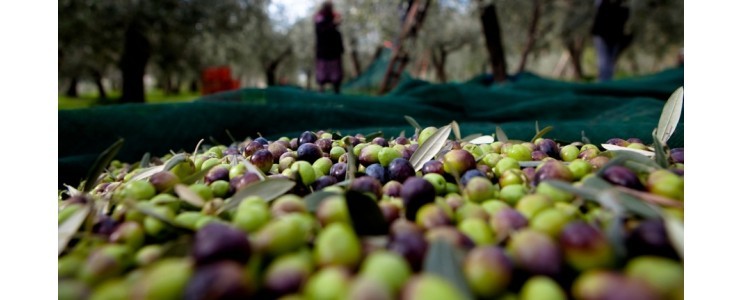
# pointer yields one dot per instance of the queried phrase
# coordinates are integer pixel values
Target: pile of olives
(194, 231)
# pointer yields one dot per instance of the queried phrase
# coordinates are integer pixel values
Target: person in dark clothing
(329, 47)
(610, 38)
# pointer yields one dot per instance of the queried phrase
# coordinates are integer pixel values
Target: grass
(89, 100)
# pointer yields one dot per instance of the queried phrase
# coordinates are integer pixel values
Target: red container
(217, 79)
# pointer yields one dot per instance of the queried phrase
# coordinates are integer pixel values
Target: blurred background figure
(329, 47)
(610, 37)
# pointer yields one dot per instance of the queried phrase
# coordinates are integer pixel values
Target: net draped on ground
(622, 108)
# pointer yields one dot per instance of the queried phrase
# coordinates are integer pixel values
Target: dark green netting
(623, 108)
(368, 82)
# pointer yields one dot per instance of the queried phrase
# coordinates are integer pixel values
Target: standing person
(329, 47)
(609, 34)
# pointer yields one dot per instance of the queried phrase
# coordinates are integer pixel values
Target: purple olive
(325, 145)
(338, 171)
(220, 280)
(322, 182)
(307, 137)
(378, 172)
(618, 141)
(239, 182)
(548, 147)
(216, 173)
(367, 185)
(380, 141)
(469, 174)
(622, 176)
(216, 242)
(677, 155)
(392, 189)
(400, 169)
(401, 140)
(649, 238)
(535, 252)
(263, 159)
(433, 166)
(416, 192)
(309, 152)
(251, 148)
(552, 169)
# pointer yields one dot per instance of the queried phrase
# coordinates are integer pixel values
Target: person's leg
(604, 58)
(337, 87)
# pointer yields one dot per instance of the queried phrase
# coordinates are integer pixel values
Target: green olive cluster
(157, 233)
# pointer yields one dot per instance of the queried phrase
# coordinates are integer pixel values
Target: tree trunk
(438, 60)
(194, 86)
(100, 85)
(308, 83)
(355, 58)
(494, 42)
(271, 75)
(575, 48)
(72, 88)
(273, 65)
(133, 64)
(531, 35)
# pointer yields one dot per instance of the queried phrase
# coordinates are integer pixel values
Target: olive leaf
(146, 208)
(442, 260)
(72, 191)
(101, 163)
(478, 140)
(536, 126)
(651, 198)
(584, 139)
(536, 163)
(268, 189)
(188, 195)
(313, 200)
(676, 233)
(351, 163)
(660, 155)
(371, 136)
(174, 161)
(69, 227)
(541, 133)
(456, 130)
(413, 123)
(430, 147)
(344, 183)
(147, 172)
(583, 192)
(670, 115)
(615, 148)
(145, 160)
(192, 178)
(252, 168)
(197, 146)
(230, 136)
(501, 136)
(618, 201)
(365, 214)
(634, 157)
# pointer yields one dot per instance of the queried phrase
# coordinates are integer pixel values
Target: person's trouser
(606, 55)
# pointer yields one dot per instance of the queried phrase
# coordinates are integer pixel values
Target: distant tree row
(173, 40)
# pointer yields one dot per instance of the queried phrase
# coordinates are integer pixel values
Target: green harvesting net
(623, 108)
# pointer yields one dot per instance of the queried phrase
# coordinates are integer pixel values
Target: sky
(289, 11)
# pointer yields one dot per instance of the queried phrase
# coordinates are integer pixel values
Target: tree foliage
(186, 36)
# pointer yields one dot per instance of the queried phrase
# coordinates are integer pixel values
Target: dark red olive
(216, 242)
